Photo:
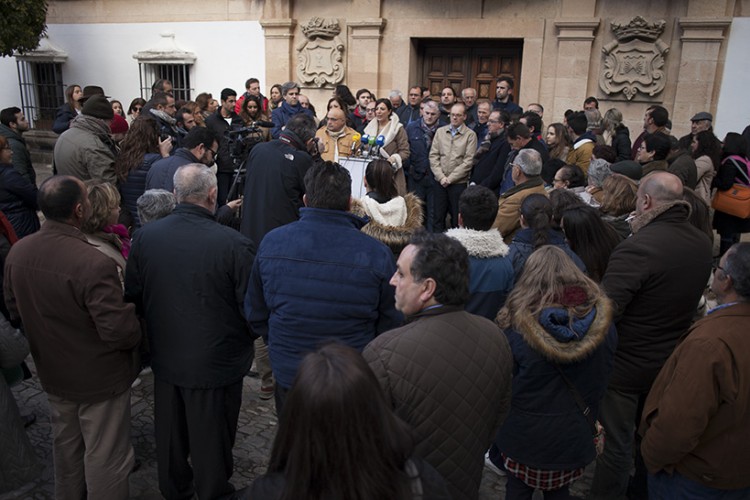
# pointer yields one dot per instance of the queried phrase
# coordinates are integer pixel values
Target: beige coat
(328, 150)
(451, 156)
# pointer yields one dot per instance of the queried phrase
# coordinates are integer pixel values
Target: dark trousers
(424, 189)
(515, 489)
(446, 201)
(279, 397)
(201, 424)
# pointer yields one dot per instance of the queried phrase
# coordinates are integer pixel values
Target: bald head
(336, 120)
(63, 198)
(195, 183)
(657, 189)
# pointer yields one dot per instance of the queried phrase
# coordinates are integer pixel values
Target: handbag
(597, 429)
(735, 200)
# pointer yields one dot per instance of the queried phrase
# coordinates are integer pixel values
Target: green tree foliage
(22, 23)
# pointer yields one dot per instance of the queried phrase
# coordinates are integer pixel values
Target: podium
(356, 167)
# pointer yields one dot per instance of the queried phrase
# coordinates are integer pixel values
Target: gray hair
(529, 161)
(395, 93)
(737, 267)
(155, 204)
(429, 103)
(192, 182)
(598, 171)
(288, 86)
(463, 91)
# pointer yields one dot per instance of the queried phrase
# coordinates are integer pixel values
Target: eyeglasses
(138, 108)
(213, 153)
(494, 121)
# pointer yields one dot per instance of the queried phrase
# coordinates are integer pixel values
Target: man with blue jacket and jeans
(319, 279)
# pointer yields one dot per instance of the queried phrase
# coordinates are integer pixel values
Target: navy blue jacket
(63, 116)
(283, 113)
(18, 201)
(545, 428)
(509, 107)
(161, 173)
(135, 185)
(493, 159)
(418, 164)
(187, 274)
(319, 279)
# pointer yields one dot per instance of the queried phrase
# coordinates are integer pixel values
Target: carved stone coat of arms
(635, 61)
(320, 56)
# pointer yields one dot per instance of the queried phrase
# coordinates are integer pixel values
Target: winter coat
(491, 274)
(655, 278)
(344, 141)
(727, 176)
(490, 160)
(580, 153)
(683, 166)
(393, 222)
(396, 148)
(283, 113)
(447, 373)
(63, 116)
(135, 185)
(418, 164)
(18, 464)
(83, 336)
(451, 155)
(21, 155)
(522, 247)
(409, 114)
(274, 185)
(508, 220)
(509, 107)
(319, 279)
(706, 173)
(695, 419)
(86, 151)
(161, 173)
(18, 201)
(621, 143)
(188, 275)
(545, 428)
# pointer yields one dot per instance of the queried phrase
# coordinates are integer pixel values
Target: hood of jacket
(395, 236)
(480, 244)
(9, 133)
(562, 338)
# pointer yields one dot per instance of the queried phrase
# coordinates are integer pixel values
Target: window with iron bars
(41, 92)
(178, 74)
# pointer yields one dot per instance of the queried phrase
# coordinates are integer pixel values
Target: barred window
(178, 74)
(41, 91)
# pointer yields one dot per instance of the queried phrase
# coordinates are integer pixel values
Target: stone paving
(255, 433)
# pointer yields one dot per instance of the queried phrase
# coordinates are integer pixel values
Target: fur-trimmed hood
(395, 236)
(566, 345)
(480, 244)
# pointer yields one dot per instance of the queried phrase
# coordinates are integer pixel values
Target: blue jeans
(663, 486)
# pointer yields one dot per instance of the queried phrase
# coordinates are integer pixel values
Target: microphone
(355, 139)
(365, 142)
(263, 123)
(379, 142)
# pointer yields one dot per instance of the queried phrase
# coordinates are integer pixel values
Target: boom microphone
(263, 123)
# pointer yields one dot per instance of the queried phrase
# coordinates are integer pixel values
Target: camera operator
(274, 181)
(224, 119)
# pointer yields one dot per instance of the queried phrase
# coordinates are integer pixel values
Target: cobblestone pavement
(256, 429)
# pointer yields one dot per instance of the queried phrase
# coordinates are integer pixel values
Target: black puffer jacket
(621, 143)
(18, 201)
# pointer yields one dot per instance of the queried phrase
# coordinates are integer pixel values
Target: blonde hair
(104, 198)
(618, 195)
(546, 274)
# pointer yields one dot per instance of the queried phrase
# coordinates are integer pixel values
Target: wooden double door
(469, 63)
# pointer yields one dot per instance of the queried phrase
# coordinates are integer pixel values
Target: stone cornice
(367, 28)
(278, 28)
(704, 29)
(576, 29)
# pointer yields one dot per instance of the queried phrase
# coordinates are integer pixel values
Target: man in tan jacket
(526, 169)
(451, 156)
(336, 137)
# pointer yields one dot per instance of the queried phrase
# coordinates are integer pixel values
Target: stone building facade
(628, 54)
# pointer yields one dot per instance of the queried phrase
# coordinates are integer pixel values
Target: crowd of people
(507, 292)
